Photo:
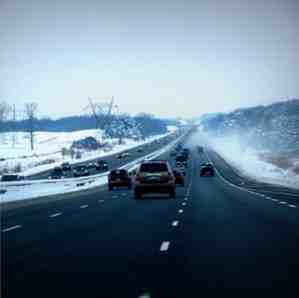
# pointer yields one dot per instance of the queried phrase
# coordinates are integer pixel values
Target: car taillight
(169, 177)
(138, 178)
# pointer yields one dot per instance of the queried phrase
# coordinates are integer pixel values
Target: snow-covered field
(48, 147)
(248, 162)
(16, 191)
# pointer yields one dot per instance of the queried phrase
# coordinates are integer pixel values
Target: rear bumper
(154, 188)
(119, 183)
(207, 174)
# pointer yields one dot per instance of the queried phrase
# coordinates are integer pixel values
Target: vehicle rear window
(80, 168)
(153, 167)
(180, 158)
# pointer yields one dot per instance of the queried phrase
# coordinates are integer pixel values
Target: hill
(274, 127)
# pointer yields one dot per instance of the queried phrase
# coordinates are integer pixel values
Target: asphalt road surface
(213, 236)
(112, 160)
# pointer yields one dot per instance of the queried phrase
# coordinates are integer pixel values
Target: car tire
(137, 195)
(172, 194)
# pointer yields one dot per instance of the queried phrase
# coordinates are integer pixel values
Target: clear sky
(170, 58)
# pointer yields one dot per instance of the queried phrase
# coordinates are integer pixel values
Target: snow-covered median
(49, 147)
(15, 191)
(248, 162)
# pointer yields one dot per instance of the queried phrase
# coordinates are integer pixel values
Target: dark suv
(66, 166)
(101, 165)
(81, 171)
(118, 178)
(207, 169)
(57, 173)
(154, 176)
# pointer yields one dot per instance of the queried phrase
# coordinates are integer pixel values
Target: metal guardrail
(83, 180)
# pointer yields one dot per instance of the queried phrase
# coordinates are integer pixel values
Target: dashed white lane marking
(282, 202)
(101, 201)
(274, 200)
(184, 203)
(12, 228)
(292, 206)
(55, 214)
(175, 223)
(146, 295)
(181, 211)
(83, 206)
(164, 246)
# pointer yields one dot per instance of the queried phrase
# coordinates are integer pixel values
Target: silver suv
(155, 176)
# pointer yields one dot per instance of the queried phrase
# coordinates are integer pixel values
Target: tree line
(141, 126)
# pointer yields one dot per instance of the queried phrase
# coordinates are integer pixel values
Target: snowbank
(16, 191)
(48, 149)
(247, 160)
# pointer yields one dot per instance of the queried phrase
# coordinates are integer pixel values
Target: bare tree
(103, 113)
(30, 110)
(4, 110)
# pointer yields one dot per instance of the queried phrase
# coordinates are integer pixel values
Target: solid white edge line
(164, 246)
(244, 189)
(233, 185)
(12, 228)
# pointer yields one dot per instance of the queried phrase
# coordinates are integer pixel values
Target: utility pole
(94, 112)
(107, 121)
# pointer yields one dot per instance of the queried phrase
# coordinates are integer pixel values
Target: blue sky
(170, 58)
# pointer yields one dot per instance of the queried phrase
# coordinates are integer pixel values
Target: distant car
(207, 169)
(181, 158)
(102, 165)
(179, 178)
(91, 165)
(199, 149)
(57, 173)
(185, 152)
(122, 155)
(119, 156)
(119, 178)
(80, 171)
(11, 177)
(181, 167)
(154, 176)
(66, 166)
(126, 154)
(173, 153)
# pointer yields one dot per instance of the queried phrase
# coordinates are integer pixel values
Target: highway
(112, 160)
(213, 236)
